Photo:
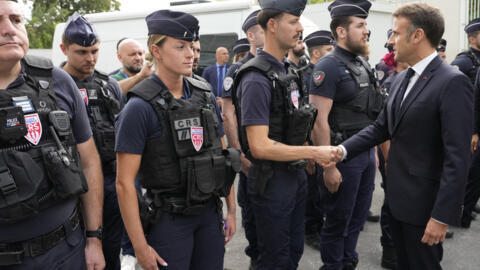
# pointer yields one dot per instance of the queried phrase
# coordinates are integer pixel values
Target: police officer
(345, 92)
(296, 55)
(240, 49)
(169, 133)
(45, 136)
(103, 99)
(318, 43)
(256, 39)
(386, 66)
(274, 123)
(441, 48)
(469, 61)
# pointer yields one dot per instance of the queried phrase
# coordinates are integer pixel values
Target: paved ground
(460, 253)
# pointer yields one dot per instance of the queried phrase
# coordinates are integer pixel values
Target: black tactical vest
(291, 116)
(187, 161)
(348, 117)
(39, 163)
(102, 109)
(476, 63)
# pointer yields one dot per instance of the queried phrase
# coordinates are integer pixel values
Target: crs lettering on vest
(294, 93)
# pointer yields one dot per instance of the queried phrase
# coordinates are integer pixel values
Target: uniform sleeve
(255, 92)
(228, 81)
(325, 78)
(117, 92)
(136, 123)
(463, 63)
(69, 99)
(220, 130)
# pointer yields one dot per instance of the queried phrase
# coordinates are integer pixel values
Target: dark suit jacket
(210, 74)
(430, 145)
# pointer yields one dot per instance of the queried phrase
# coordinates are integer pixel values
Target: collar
(218, 65)
(422, 65)
(475, 51)
(345, 52)
(186, 89)
(272, 60)
(21, 79)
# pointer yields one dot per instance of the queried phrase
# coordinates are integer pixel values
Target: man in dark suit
(215, 74)
(428, 119)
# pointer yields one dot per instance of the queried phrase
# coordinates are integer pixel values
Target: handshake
(327, 156)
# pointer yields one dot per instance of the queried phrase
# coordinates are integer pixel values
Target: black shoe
(466, 220)
(449, 234)
(313, 240)
(389, 258)
(352, 265)
(476, 209)
(372, 218)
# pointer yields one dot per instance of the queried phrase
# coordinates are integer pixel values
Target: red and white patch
(318, 77)
(295, 95)
(34, 127)
(197, 137)
(83, 93)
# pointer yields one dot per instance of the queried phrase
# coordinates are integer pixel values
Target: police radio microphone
(61, 124)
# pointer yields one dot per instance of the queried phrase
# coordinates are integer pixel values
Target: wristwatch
(97, 233)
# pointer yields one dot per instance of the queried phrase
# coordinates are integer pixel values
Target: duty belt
(290, 166)
(177, 205)
(13, 253)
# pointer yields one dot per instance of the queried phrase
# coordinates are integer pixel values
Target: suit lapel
(420, 84)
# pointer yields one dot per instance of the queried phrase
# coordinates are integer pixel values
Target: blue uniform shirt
(255, 93)
(138, 122)
(331, 79)
(69, 99)
(464, 62)
(227, 83)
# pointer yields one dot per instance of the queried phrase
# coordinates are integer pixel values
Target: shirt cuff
(344, 151)
(440, 222)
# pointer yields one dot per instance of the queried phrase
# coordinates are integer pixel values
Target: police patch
(34, 128)
(227, 83)
(197, 137)
(83, 93)
(318, 77)
(380, 75)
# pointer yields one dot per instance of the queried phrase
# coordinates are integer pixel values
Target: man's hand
(325, 155)
(245, 164)
(146, 70)
(332, 178)
(230, 226)
(311, 168)
(474, 144)
(434, 233)
(148, 258)
(94, 254)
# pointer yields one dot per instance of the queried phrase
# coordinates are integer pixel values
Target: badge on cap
(197, 137)
(83, 93)
(227, 83)
(318, 77)
(34, 128)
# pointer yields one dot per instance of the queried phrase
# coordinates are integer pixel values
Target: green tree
(318, 1)
(46, 14)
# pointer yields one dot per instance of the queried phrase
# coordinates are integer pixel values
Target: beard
(355, 48)
(133, 69)
(299, 53)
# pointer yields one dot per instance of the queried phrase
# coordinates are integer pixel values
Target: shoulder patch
(318, 77)
(380, 74)
(227, 83)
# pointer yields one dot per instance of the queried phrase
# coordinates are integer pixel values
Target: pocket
(64, 172)
(200, 179)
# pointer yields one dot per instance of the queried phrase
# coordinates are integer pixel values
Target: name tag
(186, 123)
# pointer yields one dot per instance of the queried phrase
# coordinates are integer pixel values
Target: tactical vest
(348, 117)
(102, 107)
(39, 163)
(187, 162)
(291, 116)
(476, 63)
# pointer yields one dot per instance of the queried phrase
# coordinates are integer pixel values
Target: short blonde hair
(155, 39)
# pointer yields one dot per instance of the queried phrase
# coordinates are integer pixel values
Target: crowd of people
(139, 162)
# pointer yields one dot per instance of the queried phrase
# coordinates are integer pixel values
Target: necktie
(402, 90)
(220, 80)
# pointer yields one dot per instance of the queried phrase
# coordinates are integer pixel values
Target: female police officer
(169, 133)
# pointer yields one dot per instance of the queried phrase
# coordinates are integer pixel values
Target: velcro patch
(227, 83)
(318, 77)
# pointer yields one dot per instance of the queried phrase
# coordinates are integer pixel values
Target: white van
(220, 25)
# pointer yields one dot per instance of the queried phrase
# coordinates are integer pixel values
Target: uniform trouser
(248, 219)
(412, 254)
(69, 254)
(347, 210)
(386, 237)
(279, 216)
(193, 242)
(472, 192)
(314, 213)
(112, 224)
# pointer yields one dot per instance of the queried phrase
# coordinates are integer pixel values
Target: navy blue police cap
(357, 8)
(473, 26)
(174, 24)
(250, 21)
(318, 38)
(241, 45)
(80, 31)
(442, 46)
(294, 7)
